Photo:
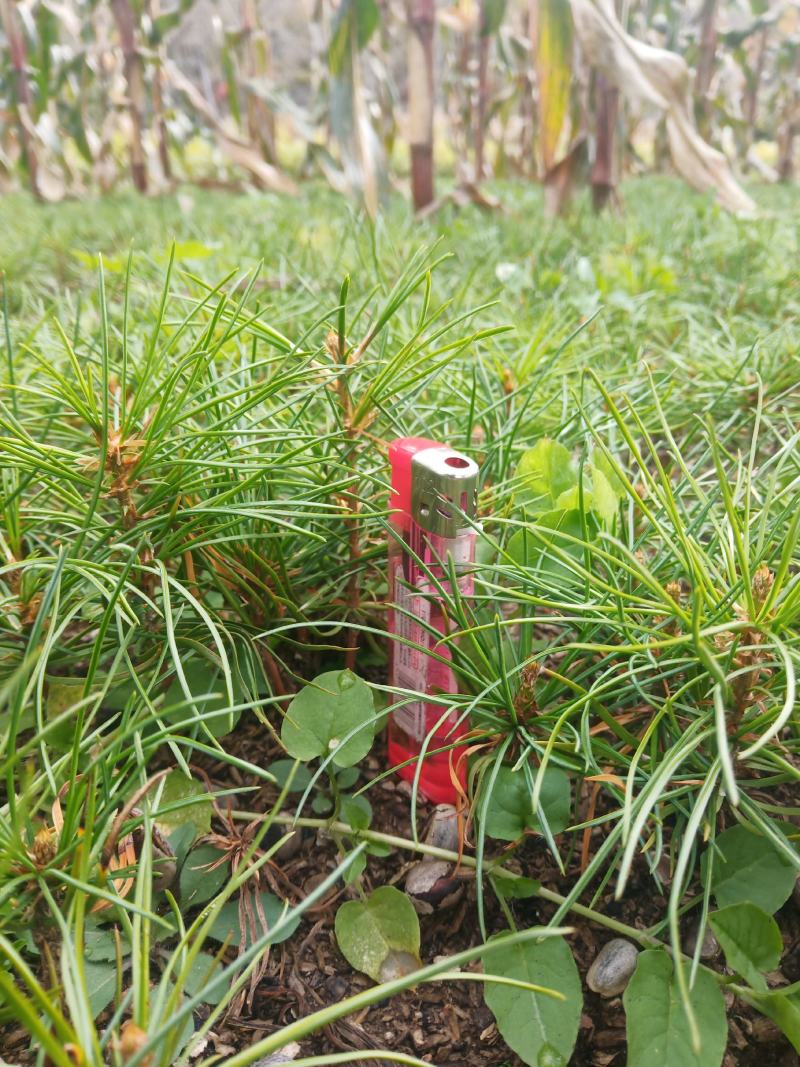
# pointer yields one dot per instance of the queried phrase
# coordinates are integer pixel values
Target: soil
(446, 1023)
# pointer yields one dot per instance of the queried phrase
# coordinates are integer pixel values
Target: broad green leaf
(203, 678)
(282, 768)
(111, 264)
(601, 465)
(181, 840)
(750, 939)
(604, 500)
(510, 808)
(573, 499)
(539, 1028)
(378, 848)
(357, 867)
(187, 250)
(202, 972)
(197, 814)
(536, 550)
(379, 935)
(782, 1008)
(347, 778)
(118, 695)
(554, 32)
(101, 984)
(324, 712)
(63, 694)
(543, 474)
(657, 1026)
(356, 811)
(100, 942)
(514, 888)
(227, 923)
(322, 804)
(747, 866)
(202, 875)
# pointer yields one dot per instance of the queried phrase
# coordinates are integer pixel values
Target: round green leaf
(543, 473)
(202, 875)
(347, 777)
(181, 840)
(356, 812)
(62, 695)
(100, 942)
(510, 808)
(657, 1026)
(323, 713)
(200, 976)
(281, 770)
(380, 935)
(101, 984)
(322, 804)
(539, 1028)
(750, 939)
(747, 866)
(604, 500)
(514, 888)
(541, 551)
(181, 791)
(357, 867)
(207, 683)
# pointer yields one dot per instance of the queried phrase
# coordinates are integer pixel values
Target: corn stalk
(260, 119)
(552, 33)
(22, 96)
(489, 21)
(354, 25)
(421, 35)
(484, 40)
(603, 173)
(705, 62)
(790, 116)
(754, 84)
(152, 8)
(125, 20)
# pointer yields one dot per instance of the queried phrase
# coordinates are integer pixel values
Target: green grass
(194, 504)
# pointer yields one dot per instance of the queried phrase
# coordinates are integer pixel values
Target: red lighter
(433, 489)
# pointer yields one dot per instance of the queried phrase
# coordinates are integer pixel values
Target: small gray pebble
(709, 948)
(290, 847)
(612, 968)
(432, 883)
(165, 871)
(284, 1055)
(398, 965)
(442, 830)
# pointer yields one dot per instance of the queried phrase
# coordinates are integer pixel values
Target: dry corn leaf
(657, 78)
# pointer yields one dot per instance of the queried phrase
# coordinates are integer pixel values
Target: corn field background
(94, 95)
